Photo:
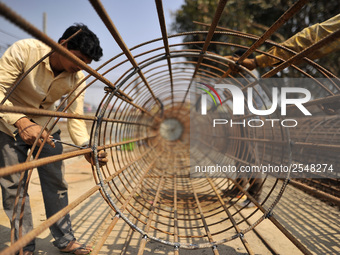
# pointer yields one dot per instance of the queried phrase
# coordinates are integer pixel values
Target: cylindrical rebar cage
(143, 123)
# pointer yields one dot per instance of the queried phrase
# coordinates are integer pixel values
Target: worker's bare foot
(75, 247)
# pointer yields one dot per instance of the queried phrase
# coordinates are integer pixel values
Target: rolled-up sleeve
(303, 40)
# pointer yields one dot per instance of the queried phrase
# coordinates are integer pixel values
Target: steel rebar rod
(272, 43)
(176, 240)
(271, 217)
(329, 38)
(125, 204)
(160, 11)
(20, 243)
(273, 28)
(150, 216)
(318, 193)
(238, 230)
(327, 147)
(265, 242)
(211, 240)
(217, 16)
(98, 6)
(43, 161)
(182, 208)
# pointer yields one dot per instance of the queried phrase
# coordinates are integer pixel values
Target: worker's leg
(255, 187)
(54, 190)
(13, 152)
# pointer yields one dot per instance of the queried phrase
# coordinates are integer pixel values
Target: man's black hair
(86, 41)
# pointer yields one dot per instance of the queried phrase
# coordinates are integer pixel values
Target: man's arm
(297, 43)
(77, 128)
(303, 40)
(29, 132)
(12, 65)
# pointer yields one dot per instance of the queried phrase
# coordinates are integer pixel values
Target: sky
(136, 20)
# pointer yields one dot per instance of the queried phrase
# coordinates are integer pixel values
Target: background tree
(254, 17)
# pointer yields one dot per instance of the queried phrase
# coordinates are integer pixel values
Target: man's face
(71, 67)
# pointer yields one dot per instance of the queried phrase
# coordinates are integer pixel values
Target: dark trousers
(53, 186)
(248, 153)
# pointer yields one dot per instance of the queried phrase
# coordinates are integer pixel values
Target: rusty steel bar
(289, 235)
(272, 43)
(179, 214)
(43, 112)
(212, 28)
(303, 53)
(327, 147)
(128, 241)
(150, 216)
(231, 30)
(176, 252)
(19, 21)
(40, 162)
(105, 235)
(49, 113)
(314, 191)
(97, 5)
(43, 161)
(283, 19)
(297, 6)
(49, 222)
(238, 230)
(217, 16)
(265, 242)
(160, 12)
(211, 240)
(118, 213)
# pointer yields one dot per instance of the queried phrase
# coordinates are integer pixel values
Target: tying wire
(69, 144)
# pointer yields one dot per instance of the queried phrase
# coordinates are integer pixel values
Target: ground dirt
(314, 223)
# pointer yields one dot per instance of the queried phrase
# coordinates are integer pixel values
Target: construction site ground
(311, 221)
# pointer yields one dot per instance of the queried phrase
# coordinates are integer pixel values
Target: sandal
(79, 250)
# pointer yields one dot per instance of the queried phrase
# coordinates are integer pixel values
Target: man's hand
(247, 63)
(102, 158)
(330, 108)
(30, 131)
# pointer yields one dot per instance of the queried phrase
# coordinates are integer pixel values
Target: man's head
(86, 42)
